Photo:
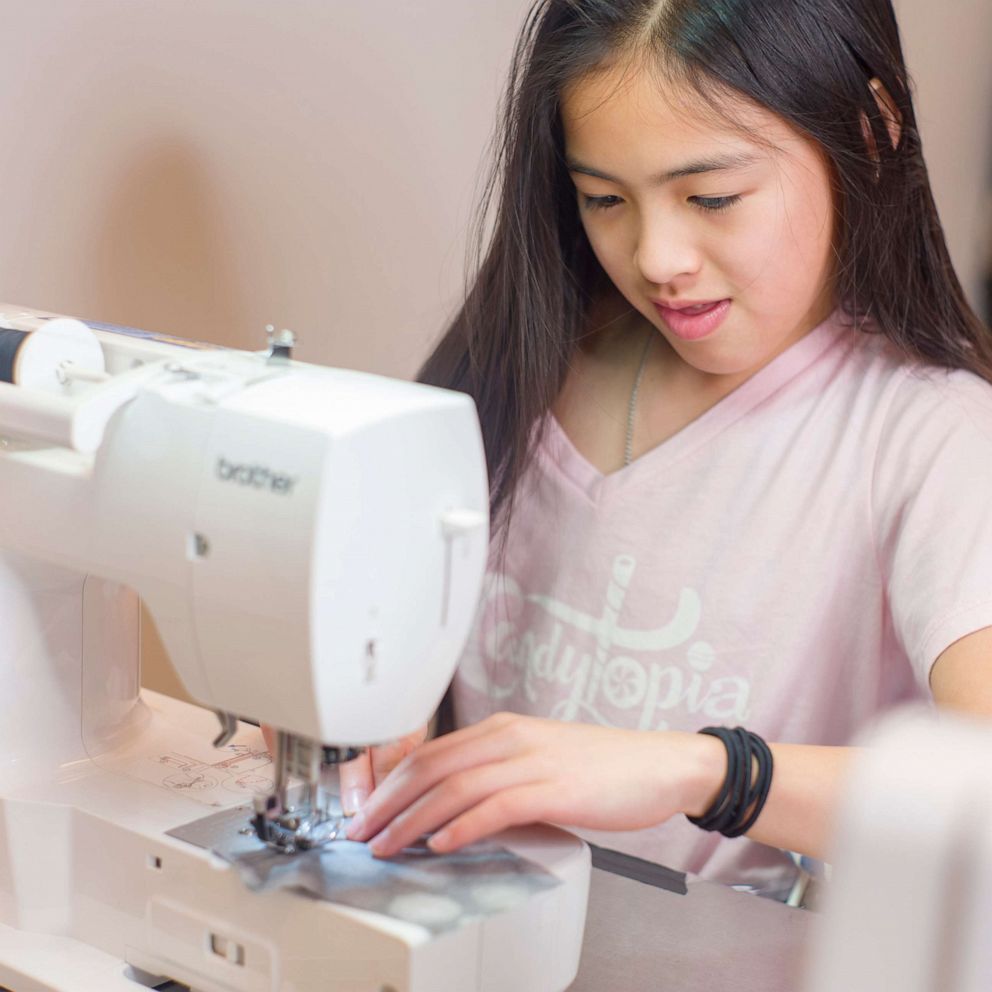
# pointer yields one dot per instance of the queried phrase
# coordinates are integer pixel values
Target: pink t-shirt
(793, 561)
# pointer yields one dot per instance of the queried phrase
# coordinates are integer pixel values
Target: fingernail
(353, 799)
(438, 843)
(356, 827)
(379, 844)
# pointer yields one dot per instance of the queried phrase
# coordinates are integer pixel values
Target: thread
(10, 345)
(37, 359)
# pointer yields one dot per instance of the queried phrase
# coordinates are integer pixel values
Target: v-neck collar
(558, 448)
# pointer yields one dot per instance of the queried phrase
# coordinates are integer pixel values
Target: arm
(808, 780)
(510, 770)
(961, 678)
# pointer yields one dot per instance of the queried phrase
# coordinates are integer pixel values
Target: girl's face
(720, 235)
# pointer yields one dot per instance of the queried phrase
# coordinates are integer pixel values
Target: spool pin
(52, 357)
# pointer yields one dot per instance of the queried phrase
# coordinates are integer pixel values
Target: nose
(666, 249)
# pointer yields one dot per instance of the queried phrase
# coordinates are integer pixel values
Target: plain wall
(205, 168)
(947, 47)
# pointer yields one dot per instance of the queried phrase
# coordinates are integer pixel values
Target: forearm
(802, 805)
(808, 781)
(509, 770)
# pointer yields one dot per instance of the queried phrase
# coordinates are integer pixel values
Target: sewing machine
(909, 902)
(310, 543)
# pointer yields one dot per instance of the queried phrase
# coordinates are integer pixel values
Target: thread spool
(37, 359)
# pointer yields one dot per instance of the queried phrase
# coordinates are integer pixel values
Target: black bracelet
(743, 793)
(723, 813)
(713, 817)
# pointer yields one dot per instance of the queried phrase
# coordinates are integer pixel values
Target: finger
(356, 783)
(415, 775)
(511, 808)
(269, 734)
(387, 756)
(491, 740)
(446, 801)
(358, 779)
(420, 772)
(458, 738)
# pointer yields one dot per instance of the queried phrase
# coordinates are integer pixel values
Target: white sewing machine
(909, 903)
(310, 543)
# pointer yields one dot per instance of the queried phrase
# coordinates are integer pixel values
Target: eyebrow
(722, 164)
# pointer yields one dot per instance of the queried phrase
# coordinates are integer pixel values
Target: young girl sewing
(739, 426)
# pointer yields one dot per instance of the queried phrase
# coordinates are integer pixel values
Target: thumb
(356, 782)
(269, 735)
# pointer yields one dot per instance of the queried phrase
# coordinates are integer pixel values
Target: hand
(510, 770)
(359, 777)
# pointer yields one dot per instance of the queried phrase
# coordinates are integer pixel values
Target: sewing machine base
(95, 896)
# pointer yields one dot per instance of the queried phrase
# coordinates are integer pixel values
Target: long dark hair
(535, 277)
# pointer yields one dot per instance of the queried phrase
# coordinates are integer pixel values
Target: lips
(692, 320)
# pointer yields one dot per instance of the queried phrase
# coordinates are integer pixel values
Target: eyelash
(601, 202)
(714, 204)
(708, 204)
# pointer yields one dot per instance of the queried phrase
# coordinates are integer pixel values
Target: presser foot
(305, 821)
(294, 830)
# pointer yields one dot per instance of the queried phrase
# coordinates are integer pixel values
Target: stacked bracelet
(741, 797)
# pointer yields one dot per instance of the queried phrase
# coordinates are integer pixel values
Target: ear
(890, 114)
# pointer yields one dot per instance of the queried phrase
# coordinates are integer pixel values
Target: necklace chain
(628, 447)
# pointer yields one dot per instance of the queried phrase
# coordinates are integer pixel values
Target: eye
(714, 204)
(600, 202)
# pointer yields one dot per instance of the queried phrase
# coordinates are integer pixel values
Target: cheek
(746, 247)
(783, 246)
(807, 222)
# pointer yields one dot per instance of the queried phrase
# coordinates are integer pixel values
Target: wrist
(706, 771)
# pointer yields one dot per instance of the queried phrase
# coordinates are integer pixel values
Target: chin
(714, 358)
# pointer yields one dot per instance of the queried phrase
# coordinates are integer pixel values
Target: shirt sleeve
(931, 503)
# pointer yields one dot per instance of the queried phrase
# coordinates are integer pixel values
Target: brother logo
(256, 476)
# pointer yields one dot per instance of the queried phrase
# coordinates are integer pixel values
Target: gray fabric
(437, 892)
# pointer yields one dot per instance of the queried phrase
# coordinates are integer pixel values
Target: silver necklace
(628, 447)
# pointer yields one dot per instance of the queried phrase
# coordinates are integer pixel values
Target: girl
(739, 427)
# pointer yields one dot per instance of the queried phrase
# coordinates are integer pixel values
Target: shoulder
(907, 395)
(937, 400)
(933, 449)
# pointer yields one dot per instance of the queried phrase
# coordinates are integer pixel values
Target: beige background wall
(948, 52)
(207, 167)
(204, 168)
